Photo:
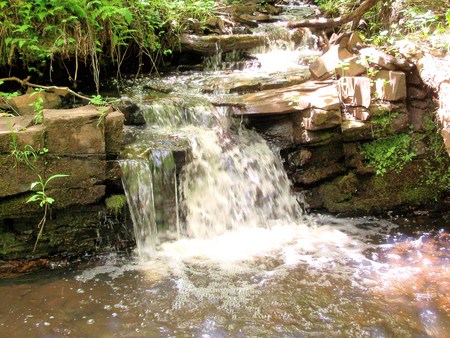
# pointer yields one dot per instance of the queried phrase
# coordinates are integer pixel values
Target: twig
(25, 82)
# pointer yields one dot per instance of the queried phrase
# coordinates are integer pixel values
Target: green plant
(21, 154)
(38, 32)
(447, 16)
(115, 203)
(390, 153)
(44, 201)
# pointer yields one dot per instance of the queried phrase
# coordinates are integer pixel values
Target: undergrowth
(36, 32)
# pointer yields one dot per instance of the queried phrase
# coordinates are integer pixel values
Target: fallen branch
(339, 21)
(25, 82)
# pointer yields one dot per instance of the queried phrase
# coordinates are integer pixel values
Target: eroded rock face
(368, 98)
(82, 143)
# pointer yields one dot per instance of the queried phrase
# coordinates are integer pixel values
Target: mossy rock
(363, 195)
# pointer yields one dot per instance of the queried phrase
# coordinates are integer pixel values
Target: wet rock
(416, 93)
(276, 129)
(114, 123)
(316, 174)
(212, 44)
(131, 113)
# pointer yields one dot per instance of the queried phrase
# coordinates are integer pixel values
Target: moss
(115, 203)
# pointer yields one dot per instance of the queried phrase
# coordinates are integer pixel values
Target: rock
(359, 113)
(84, 171)
(356, 130)
(114, 123)
(416, 93)
(75, 131)
(276, 129)
(316, 174)
(420, 104)
(131, 112)
(27, 139)
(322, 95)
(417, 118)
(318, 119)
(351, 67)
(316, 138)
(354, 41)
(355, 91)
(16, 177)
(325, 66)
(24, 104)
(211, 44)
(379, 108)
(373, 56)
(390, 85)
(80, 196)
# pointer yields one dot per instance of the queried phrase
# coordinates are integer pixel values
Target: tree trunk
(339, 21)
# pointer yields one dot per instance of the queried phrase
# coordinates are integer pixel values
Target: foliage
(437, 167)
(389, 153)
(115, 203)
(38, 107)
(44, 201)
(40, 31)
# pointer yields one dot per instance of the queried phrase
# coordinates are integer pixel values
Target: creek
(224, 248)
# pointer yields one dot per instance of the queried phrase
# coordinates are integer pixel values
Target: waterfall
(231, 178)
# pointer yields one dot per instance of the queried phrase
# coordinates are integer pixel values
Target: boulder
(350, 67)
(211, 44)
(316, 174)
(356, 130)
(75, 131)
(114, 123)
(316, 137)
(312, 94)
(390, 85)
(24, 104)
(355, 91)
(26, 139)
(358, 113)
(16, 177)
(318, 119)
(325, 66)
(84, 171)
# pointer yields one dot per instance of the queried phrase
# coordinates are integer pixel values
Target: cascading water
(224, 248)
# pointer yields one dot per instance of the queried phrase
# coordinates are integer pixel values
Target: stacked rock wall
(358, 138)
(84, 144)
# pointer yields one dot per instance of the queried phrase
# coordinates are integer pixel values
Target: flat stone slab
(75, 131)
(311, 94)
(211, 44)
(21, 137)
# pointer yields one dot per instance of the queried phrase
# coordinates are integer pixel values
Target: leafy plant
(44, 201)
(390, 153)
(21, 154)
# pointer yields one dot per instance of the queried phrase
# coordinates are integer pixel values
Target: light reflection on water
(338, 277)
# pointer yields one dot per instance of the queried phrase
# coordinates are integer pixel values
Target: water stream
(223, 246)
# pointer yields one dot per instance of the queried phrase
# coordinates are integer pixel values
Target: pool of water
(325, 277)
